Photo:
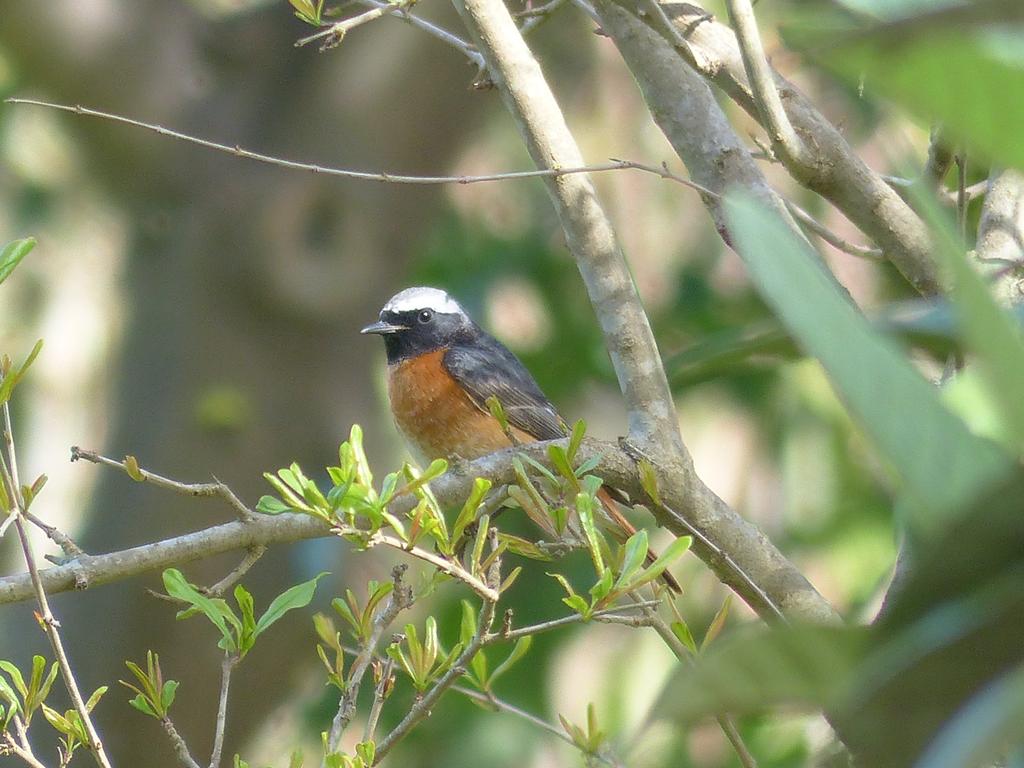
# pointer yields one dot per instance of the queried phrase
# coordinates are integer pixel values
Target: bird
(442, 368)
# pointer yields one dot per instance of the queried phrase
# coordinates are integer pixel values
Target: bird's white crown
(421, 297)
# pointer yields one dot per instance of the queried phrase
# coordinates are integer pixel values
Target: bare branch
(627, 333)
(226, 666)
(251, 557)
(380, 693)
(834, 171)
(178, 743)
(399, 600)
(216, 488)
(46, 618)
(1000, 247)
(375, 176)
(456, 42)
(333, 34)
(785, 141)
(830, 237)
(21, 751)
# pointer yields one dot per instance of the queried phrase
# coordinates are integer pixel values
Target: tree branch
(226, 666)
(400, 599)
(588, 233)
(738, 553)
(46, 618)
(834, 170)
(1000, 247)
(785, 141)
(382, 177)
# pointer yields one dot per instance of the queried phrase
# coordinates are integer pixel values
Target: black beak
(383, 328)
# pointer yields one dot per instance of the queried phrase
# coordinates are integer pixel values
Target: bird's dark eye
(426, 316)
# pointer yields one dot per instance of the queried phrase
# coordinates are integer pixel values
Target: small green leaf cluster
(479, 673)
(622, 576)
(23, 697)
(306, 11)
(70, 725)
(364, 756)
(358, 617)
(295, 761)
(561, 486)
(238, 630)
(424, 661)
(355, 503)
(155, 696)
(590, 740)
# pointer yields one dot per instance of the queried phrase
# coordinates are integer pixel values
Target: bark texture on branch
(833, 170)
(1000, 248)
(588, 232)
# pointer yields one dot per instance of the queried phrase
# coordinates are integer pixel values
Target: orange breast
(436, 417)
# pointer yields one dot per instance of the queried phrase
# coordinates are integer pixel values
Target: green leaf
(585, 510)
(683, 634)
(12, 254)
(271, 505)
(988, 330)
(298, 596)
(718, 622)
(672, 552)
(95, 698)
(941, 462)
(178, 587)
(15, 674)
(10, 381)
(245, 604)
(806, 667)
(168, 693)
(633, 557)
(579, 431)
(468, 513)
(141, 703)
(649, 480)
(962, 74)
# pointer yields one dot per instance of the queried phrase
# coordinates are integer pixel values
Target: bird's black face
(420, 320)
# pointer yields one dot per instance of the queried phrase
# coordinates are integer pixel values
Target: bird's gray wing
(488, 369)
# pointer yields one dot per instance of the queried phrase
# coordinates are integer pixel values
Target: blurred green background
(201, 312)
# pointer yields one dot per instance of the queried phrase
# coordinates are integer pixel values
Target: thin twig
(422, 707)
(333, 34)
(380, 694)
(227, 664)
(491, 700)
(683, 654)
(216, 488)
(442, 564)
(456, 42)
(830, 237)
(383, 177)
(537, 16)
(178, 743)
(19, 750)
(961, 194)
(68, 546)
(46, 619)
(251, 556)
(400, 599)
(613, 615)
(762, 82)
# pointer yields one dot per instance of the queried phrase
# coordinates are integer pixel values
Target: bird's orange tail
(625, 527)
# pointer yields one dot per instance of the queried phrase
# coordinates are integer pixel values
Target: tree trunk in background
(241, 276)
